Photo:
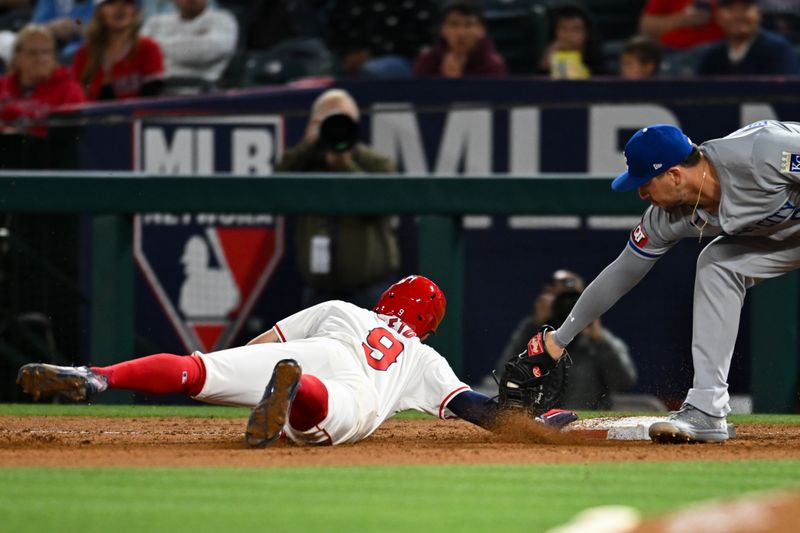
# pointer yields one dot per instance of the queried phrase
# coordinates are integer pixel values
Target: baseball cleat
(74, 383)
(689, 425)
(269, 416)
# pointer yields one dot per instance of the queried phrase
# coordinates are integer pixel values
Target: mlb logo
(185, 146)
(207, 270)
(790, 162)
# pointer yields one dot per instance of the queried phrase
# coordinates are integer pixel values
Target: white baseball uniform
(372, 365)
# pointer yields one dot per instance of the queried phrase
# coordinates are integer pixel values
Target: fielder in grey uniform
(745, 190)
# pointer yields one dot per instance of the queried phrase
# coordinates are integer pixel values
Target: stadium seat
(611, 55)
(616, 19)
(15, 19)
(292, 59)
(519, 29)
(784, 21)
(232, 76)
(189, 85)
(682, 64)
(242, 10)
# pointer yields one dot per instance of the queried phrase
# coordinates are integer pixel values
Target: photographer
(350, 258)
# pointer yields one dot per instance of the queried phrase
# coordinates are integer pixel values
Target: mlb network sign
(207, 270)
(247, 145)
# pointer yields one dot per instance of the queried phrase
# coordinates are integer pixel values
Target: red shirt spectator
(116, 62)
(463, 48)
(36, 84)
(681, 24)
(138, 65)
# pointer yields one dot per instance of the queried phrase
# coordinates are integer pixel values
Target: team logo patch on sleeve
(790, 162)
(639, 237)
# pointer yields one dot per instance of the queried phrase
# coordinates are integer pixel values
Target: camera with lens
(337, 133)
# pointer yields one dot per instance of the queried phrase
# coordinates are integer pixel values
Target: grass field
(387, 498)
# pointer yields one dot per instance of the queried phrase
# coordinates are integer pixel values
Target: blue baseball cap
(650, 152)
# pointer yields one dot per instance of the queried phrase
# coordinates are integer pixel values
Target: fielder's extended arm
(610, 285)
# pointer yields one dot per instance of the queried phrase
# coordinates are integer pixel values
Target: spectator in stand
(66, 19)
(681, 24)
(601, 361)
(747, 49)
(641, 58)
(782, 17)
(559, 281)
(36, 83)
(463, 48)
(378, 38)
(115, 62)
(574, 51)
(197, 40)
(350, 258)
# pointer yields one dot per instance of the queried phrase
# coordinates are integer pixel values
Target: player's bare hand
(553, 349)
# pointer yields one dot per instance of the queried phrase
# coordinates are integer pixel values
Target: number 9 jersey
(373, 366)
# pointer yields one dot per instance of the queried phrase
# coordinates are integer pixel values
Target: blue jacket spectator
(747, 49)
(769, 54)
(66, 19)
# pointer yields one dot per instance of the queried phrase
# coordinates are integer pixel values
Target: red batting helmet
(416, 300)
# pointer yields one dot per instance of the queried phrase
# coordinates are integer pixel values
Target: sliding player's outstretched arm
(485, 412)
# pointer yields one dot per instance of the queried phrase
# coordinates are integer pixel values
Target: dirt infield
(183, 442)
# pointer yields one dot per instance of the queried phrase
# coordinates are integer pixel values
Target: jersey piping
(281, 336)
(448, 398)
(641, 253)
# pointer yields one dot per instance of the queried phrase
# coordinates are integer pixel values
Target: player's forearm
(617, 279)
(485, 412)
(476, 408)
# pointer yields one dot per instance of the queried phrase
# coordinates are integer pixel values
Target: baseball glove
(532, 380)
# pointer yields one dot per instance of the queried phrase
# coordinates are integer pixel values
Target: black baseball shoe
(269, 416)
(76, 383)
